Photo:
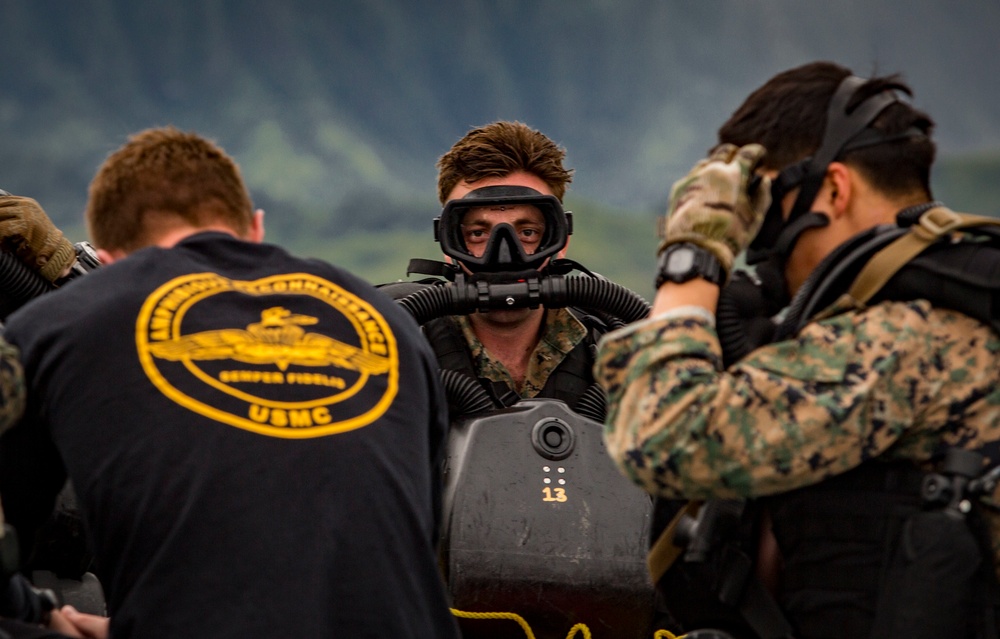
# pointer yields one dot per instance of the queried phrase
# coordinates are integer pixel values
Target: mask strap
(841, 127)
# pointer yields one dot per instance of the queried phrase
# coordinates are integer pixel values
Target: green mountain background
(338, 110)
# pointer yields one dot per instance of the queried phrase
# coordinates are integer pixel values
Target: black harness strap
(568, 382)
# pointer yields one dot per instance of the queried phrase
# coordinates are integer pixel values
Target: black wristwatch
(685, 261)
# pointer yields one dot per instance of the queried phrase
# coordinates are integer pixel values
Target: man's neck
(871, 207)
(868, 209)
(166, 239)
(511, 342)
(170, 238)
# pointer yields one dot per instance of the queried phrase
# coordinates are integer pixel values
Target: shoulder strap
(573, 376)
(431, 267)
(452, 353)
(663, 553)
(449, 345)
(933, 225)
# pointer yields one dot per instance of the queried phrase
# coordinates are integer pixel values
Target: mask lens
(478, 224)
(503, 229)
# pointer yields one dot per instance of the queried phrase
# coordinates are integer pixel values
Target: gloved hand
(30, 234)
(711, 207)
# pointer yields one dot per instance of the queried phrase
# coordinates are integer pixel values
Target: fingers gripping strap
(933, 225)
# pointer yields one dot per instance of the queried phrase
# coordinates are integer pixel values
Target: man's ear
(841, 188)
(110, 257)
(256, 231)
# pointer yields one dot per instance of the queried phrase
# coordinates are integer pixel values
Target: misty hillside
(338, 110)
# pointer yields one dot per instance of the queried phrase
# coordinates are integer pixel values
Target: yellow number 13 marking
(554, 494)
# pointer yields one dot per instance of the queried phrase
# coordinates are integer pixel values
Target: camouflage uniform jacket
(11, 386)
(899, 380)
(562, 332)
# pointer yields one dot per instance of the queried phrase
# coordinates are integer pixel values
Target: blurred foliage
(620, 245)
(970, 184)
(337, 111)
(327, 102)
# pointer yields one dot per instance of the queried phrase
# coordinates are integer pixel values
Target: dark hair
(161, 178)
(788, 116)
(499, 149)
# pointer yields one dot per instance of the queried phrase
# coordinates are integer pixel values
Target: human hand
(711, 206)
(73, 623)
(30, 234)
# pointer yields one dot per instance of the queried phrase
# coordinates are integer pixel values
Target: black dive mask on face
(845, 131)
(503, 251)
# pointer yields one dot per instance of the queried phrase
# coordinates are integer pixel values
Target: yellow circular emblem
(290, 355)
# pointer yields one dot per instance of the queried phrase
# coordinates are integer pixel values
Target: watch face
(680, 261)
(685, 261)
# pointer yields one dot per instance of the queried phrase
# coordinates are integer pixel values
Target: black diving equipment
(538, 524)
(532, 289)
(19, 284)
(19, 599)
(846, 130)
(502, 251)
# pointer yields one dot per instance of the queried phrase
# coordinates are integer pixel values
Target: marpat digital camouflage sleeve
(898, 379)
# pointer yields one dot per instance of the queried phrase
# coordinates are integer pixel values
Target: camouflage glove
(27, 231)
(710, 206)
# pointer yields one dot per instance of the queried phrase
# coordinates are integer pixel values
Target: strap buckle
(939, 221)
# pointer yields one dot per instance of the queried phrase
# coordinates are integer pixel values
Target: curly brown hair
(499, 149)
(162, 178)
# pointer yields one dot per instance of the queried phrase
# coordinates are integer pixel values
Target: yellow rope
(497, 615)
(580, 627)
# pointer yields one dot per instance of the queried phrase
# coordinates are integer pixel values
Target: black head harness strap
(777, 236)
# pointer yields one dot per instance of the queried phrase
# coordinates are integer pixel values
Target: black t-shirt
(253, 438)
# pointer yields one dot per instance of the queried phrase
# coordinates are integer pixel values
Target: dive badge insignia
(271, 375)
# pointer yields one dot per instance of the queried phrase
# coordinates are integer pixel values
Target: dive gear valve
(952, 488)
(553, 438)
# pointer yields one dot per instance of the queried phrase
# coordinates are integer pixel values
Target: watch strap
(704, 265)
